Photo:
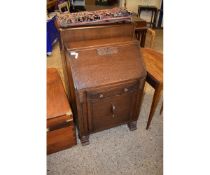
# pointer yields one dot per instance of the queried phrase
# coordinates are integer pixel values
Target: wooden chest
(60, 126)
(106, 76)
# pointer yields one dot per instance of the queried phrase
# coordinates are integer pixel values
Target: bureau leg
(84, 140)
(132, 125)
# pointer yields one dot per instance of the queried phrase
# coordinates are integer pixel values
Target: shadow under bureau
(104, 74)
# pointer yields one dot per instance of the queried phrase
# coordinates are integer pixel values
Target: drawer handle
(113, 111)
(101, 96)
(125, 89)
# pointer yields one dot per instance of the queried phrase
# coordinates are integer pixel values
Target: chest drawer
(112, 91)
(61, 139)
(111, 107)
(59, 122)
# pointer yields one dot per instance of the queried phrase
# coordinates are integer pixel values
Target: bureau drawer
(116, 107)
(112, 91)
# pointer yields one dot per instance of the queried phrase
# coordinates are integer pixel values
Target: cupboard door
(107, 112)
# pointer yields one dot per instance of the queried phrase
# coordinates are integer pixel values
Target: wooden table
(51, 3)
(154, 11)
(154, 66)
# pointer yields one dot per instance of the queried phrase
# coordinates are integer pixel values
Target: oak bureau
(104, 76)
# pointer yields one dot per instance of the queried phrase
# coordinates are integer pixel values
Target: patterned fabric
(93, 17)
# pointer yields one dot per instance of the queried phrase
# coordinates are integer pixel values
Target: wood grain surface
(154, 63)
(92, 70)
(57, 102)
(106, 80)
(60, 139)
(60, 126)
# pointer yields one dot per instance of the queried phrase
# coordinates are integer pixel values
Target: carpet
(117, 150)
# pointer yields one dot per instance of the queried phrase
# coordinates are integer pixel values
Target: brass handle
(113, 111)
(48, 129)
(68, 120)
(125, 89)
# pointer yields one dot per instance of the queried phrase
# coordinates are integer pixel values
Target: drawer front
(59, 122)
(60, 139)
(108, 92)
(111, 111)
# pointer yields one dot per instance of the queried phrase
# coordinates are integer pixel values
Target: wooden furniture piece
(64, 7)
(51, 4)
(141, 30)
(152, 37)
(106, 2)
(60, 126)
(105, 76)
(154, 66)
(160, 16)
(154, 11)
(90, 2)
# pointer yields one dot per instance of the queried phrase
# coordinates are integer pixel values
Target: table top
(154, 63)
(152, 7)
(57, 102)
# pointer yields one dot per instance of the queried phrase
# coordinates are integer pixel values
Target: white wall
(132, 6)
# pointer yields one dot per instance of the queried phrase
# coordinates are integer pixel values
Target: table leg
(155, 101)
(139, 12)
(137, 35)
(151, 21)
(143, 38)
(155, 18)
(161, 110)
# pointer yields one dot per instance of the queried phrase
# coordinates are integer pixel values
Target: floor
(117, 150)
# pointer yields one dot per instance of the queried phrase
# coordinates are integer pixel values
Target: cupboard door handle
(125, 89)
(113, 111)
(101, 96)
